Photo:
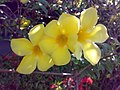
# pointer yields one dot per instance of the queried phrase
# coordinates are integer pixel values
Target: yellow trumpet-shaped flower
(31, 50)
(90, 33)
(60, 36)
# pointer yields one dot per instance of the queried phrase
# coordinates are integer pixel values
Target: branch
(110, 55)
(36, 72)
(88, 66)
(52, 73)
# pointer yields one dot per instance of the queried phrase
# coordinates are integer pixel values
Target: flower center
(62, 40)
(36, 50)
(83, 35)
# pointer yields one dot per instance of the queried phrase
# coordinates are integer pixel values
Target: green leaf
(101, 66)
(109, 66)
(40, 6)
(83, 74)
(43, 8)
(44, 2)
(96, 71)
(91, 73)
(76, 61)
(106, 48)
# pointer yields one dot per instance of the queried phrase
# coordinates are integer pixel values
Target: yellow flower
(90, 33)
(24, 1)
(24, 23)
(60, 36)
(31, 50)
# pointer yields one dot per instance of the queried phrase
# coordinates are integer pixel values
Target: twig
(110, 55)
(36, 72)
(88, 66)
(3, 5)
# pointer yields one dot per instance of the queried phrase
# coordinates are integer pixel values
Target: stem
(37, 72)
(77, 83)
(110, 55)
(88, 66)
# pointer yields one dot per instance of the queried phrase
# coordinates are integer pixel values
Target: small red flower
(53, 86)
(85, 80)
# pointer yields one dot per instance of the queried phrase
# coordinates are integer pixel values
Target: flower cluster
(51, 45)
(67, 83)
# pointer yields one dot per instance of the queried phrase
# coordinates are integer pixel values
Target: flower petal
(45, 62)
(27, 65)
(78, 51)
(99, 34)
(88, 18)
(69, 23)
(91, 52)
(72, 40)
(61, 56)
(21, 46)
(52, 29)
(48, 45)
(36, 33)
